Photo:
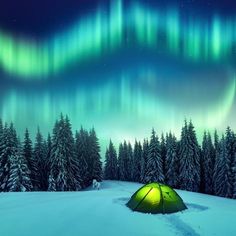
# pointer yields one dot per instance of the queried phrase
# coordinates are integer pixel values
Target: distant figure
(96, 184)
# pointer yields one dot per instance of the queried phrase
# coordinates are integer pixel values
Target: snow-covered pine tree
(2, 156)
(74, 179)
(82, 155)
(129, 161)
(208, 163)
(189, 172)
(202, 174)
(19, 173)
(58, 169)
(110, 170)
(216, 157)
(94, 155)
(163, 153)
(126, 161)
(154, 168)
(229, 142)
(8, 149)
(121, 163)
(45, 171)
(31, 162)
(15, 169)
(220, 171)
(11, 165)
(39, 157)
(144, 160)
(136, 166)
(63, 166)
(47, 146)
(225, 171)
(1, 132)
(234, 168)
(216, 141)
(171, 160)
(53, 158)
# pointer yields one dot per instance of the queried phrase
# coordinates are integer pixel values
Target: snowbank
(103, 212)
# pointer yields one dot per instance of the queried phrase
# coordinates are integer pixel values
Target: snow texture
(104, 212)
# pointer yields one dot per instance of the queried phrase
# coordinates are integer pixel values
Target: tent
(156, 198)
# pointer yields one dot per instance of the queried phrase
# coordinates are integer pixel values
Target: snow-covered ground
(103, 212)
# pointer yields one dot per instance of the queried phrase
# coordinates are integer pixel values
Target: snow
(103, 212)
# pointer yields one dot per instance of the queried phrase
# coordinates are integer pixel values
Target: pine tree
(59, 155)
(74, 177)
(220, 171)
(1, 133)
(63, 170)
(3, 156)
(45, 172)
(126, 160)
(154, 168)
(8, 152)
(216, 157)
(1, 127)
(225, 171)
(94, 154)
(82, 155)
(216, 141)
(110, 171)
(234, 168)
(19, 174)
(16, 172)
(163, 153)
(136, 166)
(189, 172)
(208, 163)
(144, 160)
(230, 155)
(171, 161)
(121, 163)
(47, 164)
(31, 162)
(39, 153)
(129, 160)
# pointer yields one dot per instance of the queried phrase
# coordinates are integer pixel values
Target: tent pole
(143, 198)
(162, 201)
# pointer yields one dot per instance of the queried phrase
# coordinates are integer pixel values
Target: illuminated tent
(156, 198)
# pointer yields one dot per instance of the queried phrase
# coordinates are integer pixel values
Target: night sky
(120, 66)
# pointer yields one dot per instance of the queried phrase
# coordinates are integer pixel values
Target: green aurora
(92, 35)
(123, 71)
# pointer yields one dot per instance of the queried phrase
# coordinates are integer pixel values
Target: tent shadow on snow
(196, 207)
(156, 198)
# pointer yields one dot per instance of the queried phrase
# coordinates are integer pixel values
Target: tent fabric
(156, 198)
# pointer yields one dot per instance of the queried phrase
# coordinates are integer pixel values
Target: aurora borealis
(195, 40)
(123, 67)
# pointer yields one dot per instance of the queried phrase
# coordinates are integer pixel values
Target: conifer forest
(64, 161)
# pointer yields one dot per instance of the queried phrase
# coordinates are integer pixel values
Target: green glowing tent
(156, 198)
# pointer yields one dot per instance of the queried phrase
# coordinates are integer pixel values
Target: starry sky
(120, 66)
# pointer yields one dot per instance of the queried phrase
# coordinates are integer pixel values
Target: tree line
(67, 162)
(207, 168)
(60, 163)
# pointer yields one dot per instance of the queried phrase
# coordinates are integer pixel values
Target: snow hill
(103, 212)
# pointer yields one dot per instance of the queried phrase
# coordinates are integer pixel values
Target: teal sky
(122, 70)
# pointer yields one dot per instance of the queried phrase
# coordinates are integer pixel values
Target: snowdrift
(103, 212)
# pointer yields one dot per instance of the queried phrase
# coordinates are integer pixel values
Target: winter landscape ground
(103, 212)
